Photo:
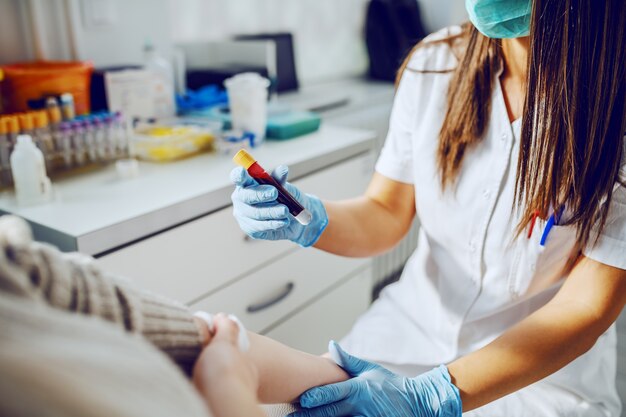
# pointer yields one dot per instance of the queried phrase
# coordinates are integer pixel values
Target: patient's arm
(285, 373)
(74, 283)
(225, 378)
(232, 382)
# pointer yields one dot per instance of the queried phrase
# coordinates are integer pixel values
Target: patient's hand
(203, 331)
(225, 377)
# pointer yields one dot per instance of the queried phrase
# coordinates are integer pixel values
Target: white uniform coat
(469, 280)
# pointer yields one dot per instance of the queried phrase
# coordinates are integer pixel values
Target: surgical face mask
(500, 18)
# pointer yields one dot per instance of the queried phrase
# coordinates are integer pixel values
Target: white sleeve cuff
(394, 173)
(608, 251)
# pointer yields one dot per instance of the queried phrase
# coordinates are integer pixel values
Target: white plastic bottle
(32, 185)
(247, 98)
(163, 74)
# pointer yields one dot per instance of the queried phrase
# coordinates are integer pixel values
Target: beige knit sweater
(77, 341)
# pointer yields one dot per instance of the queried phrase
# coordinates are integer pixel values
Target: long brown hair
(574, 116)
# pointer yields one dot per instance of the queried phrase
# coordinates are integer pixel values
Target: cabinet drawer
(191, 260)
(272, 293)
(201, 256)
(621, 361)
(329, 318)
(621, 322)
(621, 388)
(621, 340)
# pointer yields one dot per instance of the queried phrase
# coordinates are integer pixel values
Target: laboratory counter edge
(97, 212)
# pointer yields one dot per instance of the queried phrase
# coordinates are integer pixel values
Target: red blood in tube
(262, 177)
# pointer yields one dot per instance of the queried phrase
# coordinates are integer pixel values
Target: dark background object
(287, 77)
(393, 27)
(198, 78)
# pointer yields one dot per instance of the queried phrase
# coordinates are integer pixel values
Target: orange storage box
(32, 80)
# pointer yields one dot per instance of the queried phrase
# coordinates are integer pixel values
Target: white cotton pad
(208, 319)
(334, 355)
(242, 341)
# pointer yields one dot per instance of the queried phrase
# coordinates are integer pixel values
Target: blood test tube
(247, 161)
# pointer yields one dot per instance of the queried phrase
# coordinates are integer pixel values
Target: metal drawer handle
(255, 308)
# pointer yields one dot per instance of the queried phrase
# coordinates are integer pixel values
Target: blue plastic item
(204, 98)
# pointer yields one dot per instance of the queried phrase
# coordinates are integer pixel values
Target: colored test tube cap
(244, 159)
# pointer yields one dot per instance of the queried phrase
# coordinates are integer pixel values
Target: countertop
(97, 212)
(335, 98)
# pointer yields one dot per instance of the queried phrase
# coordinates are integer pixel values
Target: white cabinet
(198, 258)
(329, 318)
(194, 259)
(278, 290)
(278, 287)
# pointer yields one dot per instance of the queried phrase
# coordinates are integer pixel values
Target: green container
(292, 124)
(282, 126)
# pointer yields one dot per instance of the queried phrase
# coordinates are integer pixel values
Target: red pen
(532, 223)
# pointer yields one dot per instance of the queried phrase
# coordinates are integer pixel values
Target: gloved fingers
(328, 394)
(280, 173)
(351, 364)
(241, 178)
(261, 229)
(339, 409)
(262, 211)
(271, 235)
(294, 191)
(255, 194)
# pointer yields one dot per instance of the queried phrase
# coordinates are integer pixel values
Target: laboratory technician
(507, 140)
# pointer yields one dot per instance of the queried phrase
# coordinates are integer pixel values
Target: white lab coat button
(472, 246)
(503, 137)
(486, 194)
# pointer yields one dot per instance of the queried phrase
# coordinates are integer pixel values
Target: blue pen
(546, 230)
(554, 219)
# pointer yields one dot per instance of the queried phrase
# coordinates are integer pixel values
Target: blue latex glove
(376, 391)
(260, 216)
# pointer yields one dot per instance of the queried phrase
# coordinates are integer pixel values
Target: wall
(328, 33)
(16, 43)
(34, 29)
(57, 29)
(437, 14)
(122, 42)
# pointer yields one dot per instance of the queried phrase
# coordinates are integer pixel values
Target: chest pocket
(534, 267)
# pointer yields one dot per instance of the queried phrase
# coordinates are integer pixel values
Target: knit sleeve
(74, 283)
